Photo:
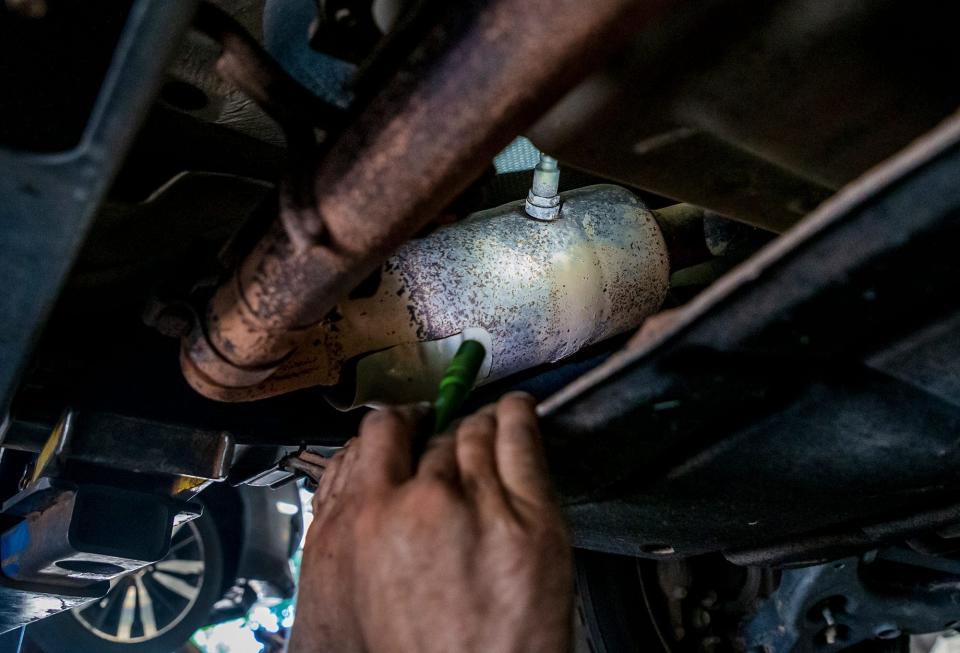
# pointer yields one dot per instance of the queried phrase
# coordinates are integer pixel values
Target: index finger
(385, 456)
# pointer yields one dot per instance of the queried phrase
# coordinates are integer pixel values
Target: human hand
(464, 551)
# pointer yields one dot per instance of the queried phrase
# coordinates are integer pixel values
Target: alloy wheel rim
(151, 601)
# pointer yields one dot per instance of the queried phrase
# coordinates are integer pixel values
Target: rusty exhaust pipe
(484, 73)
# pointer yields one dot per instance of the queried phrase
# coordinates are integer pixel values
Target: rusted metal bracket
(120, 442)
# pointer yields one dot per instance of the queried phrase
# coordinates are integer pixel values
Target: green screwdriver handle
(457, 382)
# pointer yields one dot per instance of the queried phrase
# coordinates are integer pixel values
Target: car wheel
(616, 607)
(153, 610)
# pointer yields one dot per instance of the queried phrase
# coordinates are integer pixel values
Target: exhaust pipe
(482, 75)
(531, 291)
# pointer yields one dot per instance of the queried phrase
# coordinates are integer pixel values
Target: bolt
(828, 616)
(830, 635)
(546, 177)
(543, 200)
(701, 618)
(344, 17)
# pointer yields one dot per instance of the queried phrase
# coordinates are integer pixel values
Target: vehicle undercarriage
(228, 228)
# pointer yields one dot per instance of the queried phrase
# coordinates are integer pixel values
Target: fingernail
(519, 394)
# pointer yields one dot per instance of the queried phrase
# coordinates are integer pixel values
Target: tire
(178, 602)
(617, 612)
